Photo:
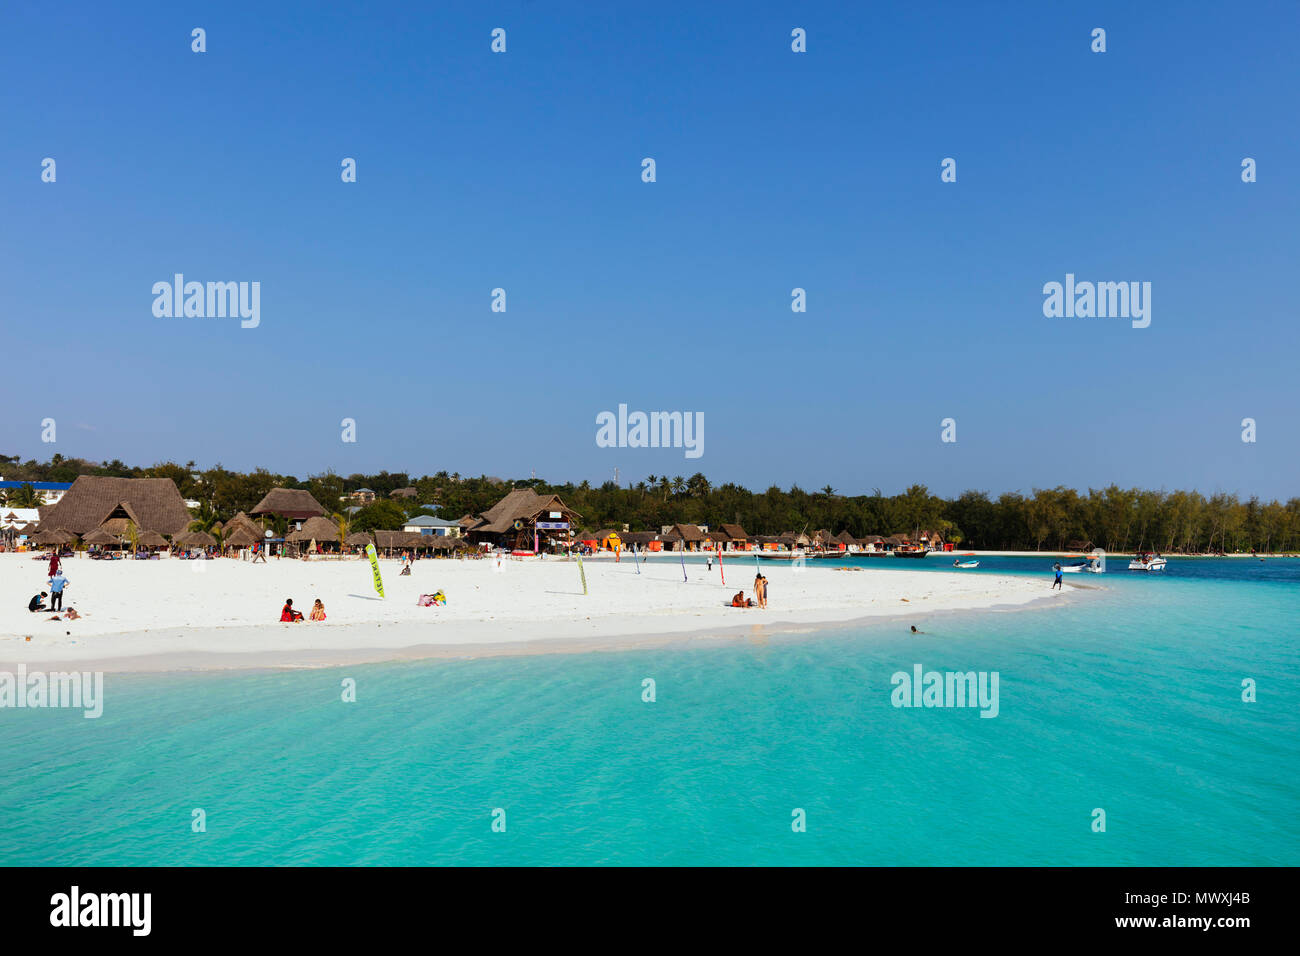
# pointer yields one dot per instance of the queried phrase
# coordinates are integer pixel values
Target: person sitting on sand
(739, 600)
(37, 603)
(318, 610)
(287, 613)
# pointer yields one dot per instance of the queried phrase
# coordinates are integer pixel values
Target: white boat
(965, 564)
(1146, 561)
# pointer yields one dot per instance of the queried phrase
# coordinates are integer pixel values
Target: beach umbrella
(151, 539)
(54, 537)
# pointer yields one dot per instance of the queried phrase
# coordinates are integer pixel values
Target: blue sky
(775, 170)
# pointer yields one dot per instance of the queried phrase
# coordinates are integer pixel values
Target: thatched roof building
(735, 532)
(241, 536)
(318, 529)
(639, 538)
(358, 539)
(513, 520)
(54, 536)
(151, 539)
(101, 536)
(296, 504)
(686, 537)
(154, 504)
(195, 539)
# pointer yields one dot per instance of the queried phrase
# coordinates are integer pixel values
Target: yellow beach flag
(374, 567)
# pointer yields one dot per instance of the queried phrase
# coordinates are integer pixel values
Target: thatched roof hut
(241, 536)
(101, 536)
(639, 538)
(151, 539)
(449, 542)
(195, 539)
(152, 503)
(54, 536)
(296, 504)
(321, 529)
(514, 518)
(358, 539)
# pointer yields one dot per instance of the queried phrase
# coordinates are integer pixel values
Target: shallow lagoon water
(1128, 700)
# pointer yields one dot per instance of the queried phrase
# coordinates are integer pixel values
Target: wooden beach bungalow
(684, 537)
(737, 539)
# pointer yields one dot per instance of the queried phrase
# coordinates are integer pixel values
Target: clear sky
(775, 170)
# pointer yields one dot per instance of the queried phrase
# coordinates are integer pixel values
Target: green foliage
(1114, 518)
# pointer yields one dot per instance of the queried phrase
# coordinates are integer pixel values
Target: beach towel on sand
(428, 600)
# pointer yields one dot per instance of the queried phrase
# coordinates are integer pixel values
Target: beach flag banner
(374, 568)
(636, 563)
(583, 573)
(684, 578)
(720, 571)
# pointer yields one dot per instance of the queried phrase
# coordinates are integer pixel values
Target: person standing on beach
(1057, 582)
(57, 583)
(54, 561)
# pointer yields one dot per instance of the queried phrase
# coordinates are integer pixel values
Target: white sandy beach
(175, 615)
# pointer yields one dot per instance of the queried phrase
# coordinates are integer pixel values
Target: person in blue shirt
(57, 584)
(1057, 582)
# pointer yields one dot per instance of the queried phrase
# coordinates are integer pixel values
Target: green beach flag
(374, 567)
(583, 573)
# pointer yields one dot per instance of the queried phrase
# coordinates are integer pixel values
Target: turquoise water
(1130, 702)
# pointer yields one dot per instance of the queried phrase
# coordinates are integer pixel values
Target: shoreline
(171, 616)
(194, 661)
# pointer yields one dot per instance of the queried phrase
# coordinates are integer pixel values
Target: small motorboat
(1146, 561)
(965, 564)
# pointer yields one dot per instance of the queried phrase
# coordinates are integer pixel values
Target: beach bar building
(522, 518)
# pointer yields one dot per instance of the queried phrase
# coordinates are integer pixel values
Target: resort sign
(552, 525)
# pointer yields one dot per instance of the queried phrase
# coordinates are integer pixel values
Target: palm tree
(679, 485)
(24, 496)
(133, 535)
(345, 526)
(205, 519)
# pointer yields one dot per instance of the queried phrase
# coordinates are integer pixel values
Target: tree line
(1051, 519)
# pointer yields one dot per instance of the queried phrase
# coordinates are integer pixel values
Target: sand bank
(174, 615)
